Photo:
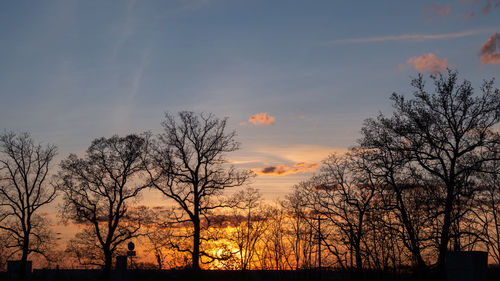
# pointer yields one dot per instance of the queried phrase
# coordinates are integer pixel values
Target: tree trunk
(158, 260)
(106, 270)
(359, 260)
(415, 249)
(24, 257)
(107, 260)
(196, 245)
(445, 232)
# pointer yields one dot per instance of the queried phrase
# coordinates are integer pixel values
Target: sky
(295, 78)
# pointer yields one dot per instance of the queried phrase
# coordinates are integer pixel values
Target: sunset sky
(295, 78)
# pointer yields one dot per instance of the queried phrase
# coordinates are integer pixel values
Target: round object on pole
(131, 246)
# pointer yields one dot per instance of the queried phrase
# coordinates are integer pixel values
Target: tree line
(417, 184)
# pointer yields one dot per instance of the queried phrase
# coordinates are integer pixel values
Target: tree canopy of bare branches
(444, 136)
(24, 172)
(251, 219)
(188, 165)
(487, 208)
(342, 194)
(98, 190)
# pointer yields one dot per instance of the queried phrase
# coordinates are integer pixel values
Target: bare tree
(84, 249)
(159, 235)
(400, 191)
(188, 165)
(383, 240)
(343, 195)
(24, 169)
(487, 208)
(299, 232)
(444, 134)
(251, 220)
(98, 190)
(274, 252)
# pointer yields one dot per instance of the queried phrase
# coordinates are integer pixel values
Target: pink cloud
(261, 119)
(490, 50)
(428, 63)
(282, 170)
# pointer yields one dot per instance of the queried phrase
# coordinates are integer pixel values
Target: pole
(319, 242)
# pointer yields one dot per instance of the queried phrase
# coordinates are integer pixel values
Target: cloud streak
(407, 37)
(282, 170)
(428, 63)
(490, 50)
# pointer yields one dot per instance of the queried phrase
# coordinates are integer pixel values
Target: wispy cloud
(260, 155)
(428, 63)
(282, 170)
(125, 27)
(440, 10)
(490, 50)
(408, 37)
(485, 7)
(434, 11)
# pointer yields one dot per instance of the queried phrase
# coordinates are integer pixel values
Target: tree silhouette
(444, 135)
(159, 234)
(24, 169)
(187, 165)
(342, 194)
(487, 208)
(400, 191)
(251, 221)
(98, 189)
(299, 230)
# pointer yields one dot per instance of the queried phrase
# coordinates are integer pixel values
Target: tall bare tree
(444, 134)
(99, 188)
(188, 165)
(24, 170)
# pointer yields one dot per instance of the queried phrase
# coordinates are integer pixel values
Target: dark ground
(219, 275)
